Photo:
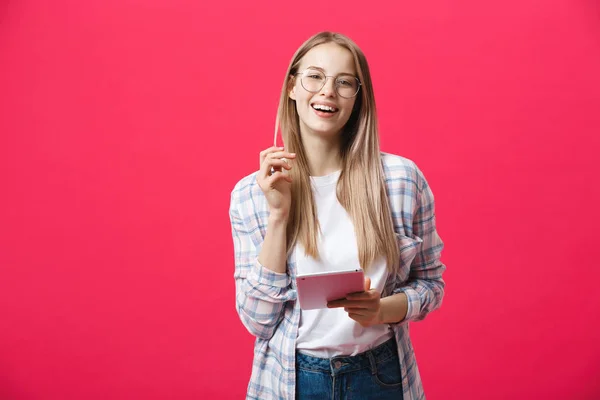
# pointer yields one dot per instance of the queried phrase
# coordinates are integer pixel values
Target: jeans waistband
(342, 364)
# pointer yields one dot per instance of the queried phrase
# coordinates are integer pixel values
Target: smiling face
(325, 112)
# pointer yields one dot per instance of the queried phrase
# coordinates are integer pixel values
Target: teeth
(323, 108)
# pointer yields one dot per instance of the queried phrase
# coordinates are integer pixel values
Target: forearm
(423, 295)
(261, 296)
(273, 253)
(393, 308)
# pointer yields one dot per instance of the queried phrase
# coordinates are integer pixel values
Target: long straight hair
(361, 187)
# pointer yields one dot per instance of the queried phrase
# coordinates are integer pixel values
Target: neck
(323, 154)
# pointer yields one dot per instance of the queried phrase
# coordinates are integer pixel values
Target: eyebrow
(321, 69)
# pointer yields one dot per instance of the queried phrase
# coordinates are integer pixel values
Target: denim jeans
(374, 374)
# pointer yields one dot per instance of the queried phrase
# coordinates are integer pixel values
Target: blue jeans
(374, 374)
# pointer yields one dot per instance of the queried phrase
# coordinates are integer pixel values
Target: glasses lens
(347, 86)
(313, 80)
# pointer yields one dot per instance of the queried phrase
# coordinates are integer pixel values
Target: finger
(273, 164)
(272, 149)
(369, 295)
(266, 169)
(358, 317)
(360, 296)
(281, 154)
(367, 284)
(362, 320)
(359, 311)
(277, 163)
(335, 304)
(278, 176)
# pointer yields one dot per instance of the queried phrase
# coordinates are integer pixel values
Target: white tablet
(316, 289)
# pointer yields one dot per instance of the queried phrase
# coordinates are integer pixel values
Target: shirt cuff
(264, 276)
(414, 303)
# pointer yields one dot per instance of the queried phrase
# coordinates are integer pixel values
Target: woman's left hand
(364, 307)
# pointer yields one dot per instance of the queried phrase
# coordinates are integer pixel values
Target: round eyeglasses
(313, 80)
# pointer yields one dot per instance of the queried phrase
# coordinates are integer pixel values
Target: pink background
(125, 124)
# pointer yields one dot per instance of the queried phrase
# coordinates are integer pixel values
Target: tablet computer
(316, 289)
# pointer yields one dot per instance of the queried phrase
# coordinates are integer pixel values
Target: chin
(325, 127)
(325, 130)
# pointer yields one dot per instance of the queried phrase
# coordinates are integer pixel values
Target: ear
(292, 88)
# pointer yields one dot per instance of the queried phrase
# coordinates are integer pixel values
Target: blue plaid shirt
(266, 300)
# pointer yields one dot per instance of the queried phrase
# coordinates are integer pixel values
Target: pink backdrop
(125, 124)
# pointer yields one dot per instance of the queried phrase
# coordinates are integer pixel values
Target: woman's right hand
(277, 185)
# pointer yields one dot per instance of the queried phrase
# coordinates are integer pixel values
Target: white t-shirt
(331, 332)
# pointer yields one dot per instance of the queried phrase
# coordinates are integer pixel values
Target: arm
(422, 292)
(369, 308)
(424, 289)
(261, 292)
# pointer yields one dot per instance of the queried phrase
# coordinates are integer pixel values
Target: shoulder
(399, 169)
(246, 193)
(245, 187)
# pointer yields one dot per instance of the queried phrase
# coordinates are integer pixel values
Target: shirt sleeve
(260, 293)
(424, 287)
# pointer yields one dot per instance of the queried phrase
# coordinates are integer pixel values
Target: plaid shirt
(266, 301)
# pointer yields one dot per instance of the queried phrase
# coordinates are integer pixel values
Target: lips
(326, 108)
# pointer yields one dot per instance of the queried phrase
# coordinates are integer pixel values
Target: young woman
(330, 200)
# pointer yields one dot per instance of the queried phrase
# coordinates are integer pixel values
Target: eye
(314, 75)
(346, 82)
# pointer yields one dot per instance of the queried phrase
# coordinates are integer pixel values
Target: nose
(329, 87)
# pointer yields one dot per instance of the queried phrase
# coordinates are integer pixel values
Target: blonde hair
(362, 170)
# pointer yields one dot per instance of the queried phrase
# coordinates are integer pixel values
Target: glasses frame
(325, 82)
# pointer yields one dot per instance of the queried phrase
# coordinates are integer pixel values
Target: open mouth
(321, 108)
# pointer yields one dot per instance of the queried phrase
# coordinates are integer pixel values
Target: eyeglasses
(313, 80)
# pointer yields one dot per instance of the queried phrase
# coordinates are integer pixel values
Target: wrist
(393, 309)
(381, 314)
(278, 217)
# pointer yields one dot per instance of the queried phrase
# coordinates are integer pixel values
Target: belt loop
(372, 362)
